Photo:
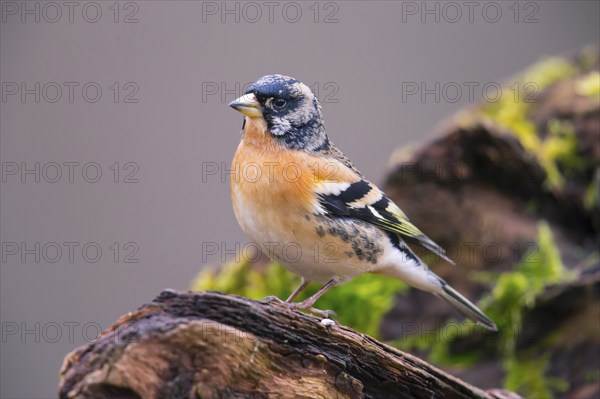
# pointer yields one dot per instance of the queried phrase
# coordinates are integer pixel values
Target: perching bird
(308, 207)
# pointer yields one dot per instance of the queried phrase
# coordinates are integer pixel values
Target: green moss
(591, 200)
(557, 151)
(589, 85)
(512, 109)
(547, 72)
(440, 350)
(528, 374)
(543, 266)
(592, 376)
(517, 290)
(513, 292)
(360, 304)
(242, 278)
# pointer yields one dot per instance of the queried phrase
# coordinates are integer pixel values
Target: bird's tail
(416, 273)
(464, 306)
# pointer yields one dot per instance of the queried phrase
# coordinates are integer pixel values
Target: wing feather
(364, 201)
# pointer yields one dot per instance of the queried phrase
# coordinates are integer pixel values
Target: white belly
(295, 245)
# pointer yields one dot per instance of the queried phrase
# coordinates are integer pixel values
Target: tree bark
(212, 345)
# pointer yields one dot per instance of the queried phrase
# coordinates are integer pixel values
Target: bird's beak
(247, 105)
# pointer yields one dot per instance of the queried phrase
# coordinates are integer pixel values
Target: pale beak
(247, 105)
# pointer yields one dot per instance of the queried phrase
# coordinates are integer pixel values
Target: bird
(308, 208)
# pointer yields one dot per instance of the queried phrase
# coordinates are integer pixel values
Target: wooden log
(212, 345)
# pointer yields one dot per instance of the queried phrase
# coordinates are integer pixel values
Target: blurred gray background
(137, 91)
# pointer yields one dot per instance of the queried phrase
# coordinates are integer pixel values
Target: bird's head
(290, 110)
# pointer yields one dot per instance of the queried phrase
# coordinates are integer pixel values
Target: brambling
(310, 209)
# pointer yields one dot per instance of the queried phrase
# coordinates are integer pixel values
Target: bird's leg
(271, 298)
(298, 290)
(308, 303)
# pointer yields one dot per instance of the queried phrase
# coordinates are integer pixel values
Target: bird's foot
(271, 298)
(326, 314)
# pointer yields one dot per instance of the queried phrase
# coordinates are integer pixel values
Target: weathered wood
(211, 345)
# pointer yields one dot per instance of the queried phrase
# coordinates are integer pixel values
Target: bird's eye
(279, 103)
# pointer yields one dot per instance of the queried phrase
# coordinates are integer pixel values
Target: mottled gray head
(290, 109)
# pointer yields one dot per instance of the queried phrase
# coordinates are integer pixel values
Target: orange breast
(270, 175)
(274, 187)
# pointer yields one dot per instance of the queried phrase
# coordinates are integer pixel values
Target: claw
(326, 314)
(271, 298)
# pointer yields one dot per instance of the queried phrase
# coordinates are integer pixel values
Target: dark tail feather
(429, 245)
(464, 306)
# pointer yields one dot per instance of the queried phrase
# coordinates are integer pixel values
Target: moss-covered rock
(524, 183)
